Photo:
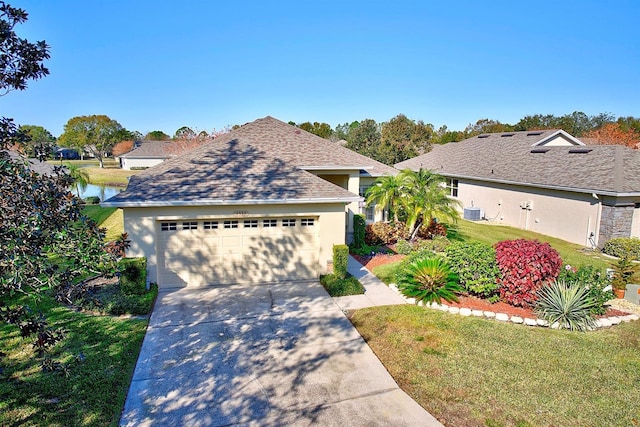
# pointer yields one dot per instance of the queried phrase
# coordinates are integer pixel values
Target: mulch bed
(471, 302)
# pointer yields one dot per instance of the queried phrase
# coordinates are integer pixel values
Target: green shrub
(567, 304)
(596, 282)
(339, 287)
(359, 226)
(133, 275)
(340, 260)
(139, 168)
(92, 200)
(436, 244)
(140, 304)
(403, 247)
(429, 280)
(367, 250)
(622, 247)
(475, 264)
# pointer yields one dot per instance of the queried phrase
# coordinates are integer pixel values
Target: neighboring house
(67, 154)
(544, 181)
(262, 203)
(146, 155)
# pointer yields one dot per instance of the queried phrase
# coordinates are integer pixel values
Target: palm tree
(426, 198)
(80, 177)
(386, 192)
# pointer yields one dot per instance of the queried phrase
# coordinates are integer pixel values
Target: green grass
(94, 392)
(387, 272)
(469, 371)
(109, 176)
(337, 287)
(571, 253)
(110, 218)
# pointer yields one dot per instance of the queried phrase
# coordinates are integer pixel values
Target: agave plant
(568, 304)
(429, 280)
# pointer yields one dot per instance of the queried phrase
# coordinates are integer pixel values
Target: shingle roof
(603, 169)
(260, 162)
(151, 149)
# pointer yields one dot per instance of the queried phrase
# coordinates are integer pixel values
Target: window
(251, 223)
(307, 222)
(231, 224)
(210, 225)
(370, 214)
(169, 226)
(288, 222)
(266, 223)
(452, 185)
(189, 225)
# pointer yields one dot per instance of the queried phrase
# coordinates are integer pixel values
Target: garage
(221, 251)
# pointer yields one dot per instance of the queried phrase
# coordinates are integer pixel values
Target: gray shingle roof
(152, 150)
(260, 162)
(602, 169)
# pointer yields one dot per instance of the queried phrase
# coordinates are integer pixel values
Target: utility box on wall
(473, 214)
(632, 294)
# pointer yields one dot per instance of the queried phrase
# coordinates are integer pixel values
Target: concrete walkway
(376, 292)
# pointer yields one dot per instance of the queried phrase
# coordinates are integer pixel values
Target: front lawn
(109, 218)
(101, 352)
(470, 371)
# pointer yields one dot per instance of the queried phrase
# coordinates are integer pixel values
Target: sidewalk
(376, 292)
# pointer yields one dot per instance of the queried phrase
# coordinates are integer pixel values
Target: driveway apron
(270, 354)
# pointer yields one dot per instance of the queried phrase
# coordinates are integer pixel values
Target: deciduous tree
(122, 147)
(402, 138)
(40, 140)
(156, 135)
(615, 134)
(96, 134)
(364, 138)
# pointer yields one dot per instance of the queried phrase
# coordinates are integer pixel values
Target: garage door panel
(245, 254)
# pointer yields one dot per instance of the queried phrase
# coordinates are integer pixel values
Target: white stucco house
(264, 202)
(545, 181)
(146, 155)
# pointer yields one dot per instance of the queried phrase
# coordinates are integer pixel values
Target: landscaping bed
(471, 302)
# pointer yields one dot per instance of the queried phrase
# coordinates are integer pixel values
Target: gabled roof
(520, 159)
(151, 150)
(261, 162)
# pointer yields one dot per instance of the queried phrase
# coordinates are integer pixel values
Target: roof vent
(483, 136)
(580, 150)
(540, 150)
(506, 135)
(534, 133)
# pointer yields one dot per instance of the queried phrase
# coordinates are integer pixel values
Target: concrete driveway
(273, 354)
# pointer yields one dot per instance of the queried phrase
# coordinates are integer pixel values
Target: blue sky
(159, 65)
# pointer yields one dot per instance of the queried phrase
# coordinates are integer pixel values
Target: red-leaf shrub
(385, 233)
(525, 267)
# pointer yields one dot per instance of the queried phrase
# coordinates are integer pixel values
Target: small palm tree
(386, 192)
(80, 177)
(426, 198)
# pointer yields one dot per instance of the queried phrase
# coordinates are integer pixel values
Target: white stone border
(603, 322)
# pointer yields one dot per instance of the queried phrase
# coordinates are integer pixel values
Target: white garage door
(224, 251)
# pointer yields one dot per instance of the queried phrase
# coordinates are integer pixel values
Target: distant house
(146, 155)
(67, 154)
(545, 181)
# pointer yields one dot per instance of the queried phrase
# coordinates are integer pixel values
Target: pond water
(102, 191)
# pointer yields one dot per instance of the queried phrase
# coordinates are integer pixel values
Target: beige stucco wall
(142, 225)
(128, 164)
(566, 215)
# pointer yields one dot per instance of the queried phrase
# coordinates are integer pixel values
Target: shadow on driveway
(272, 354)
